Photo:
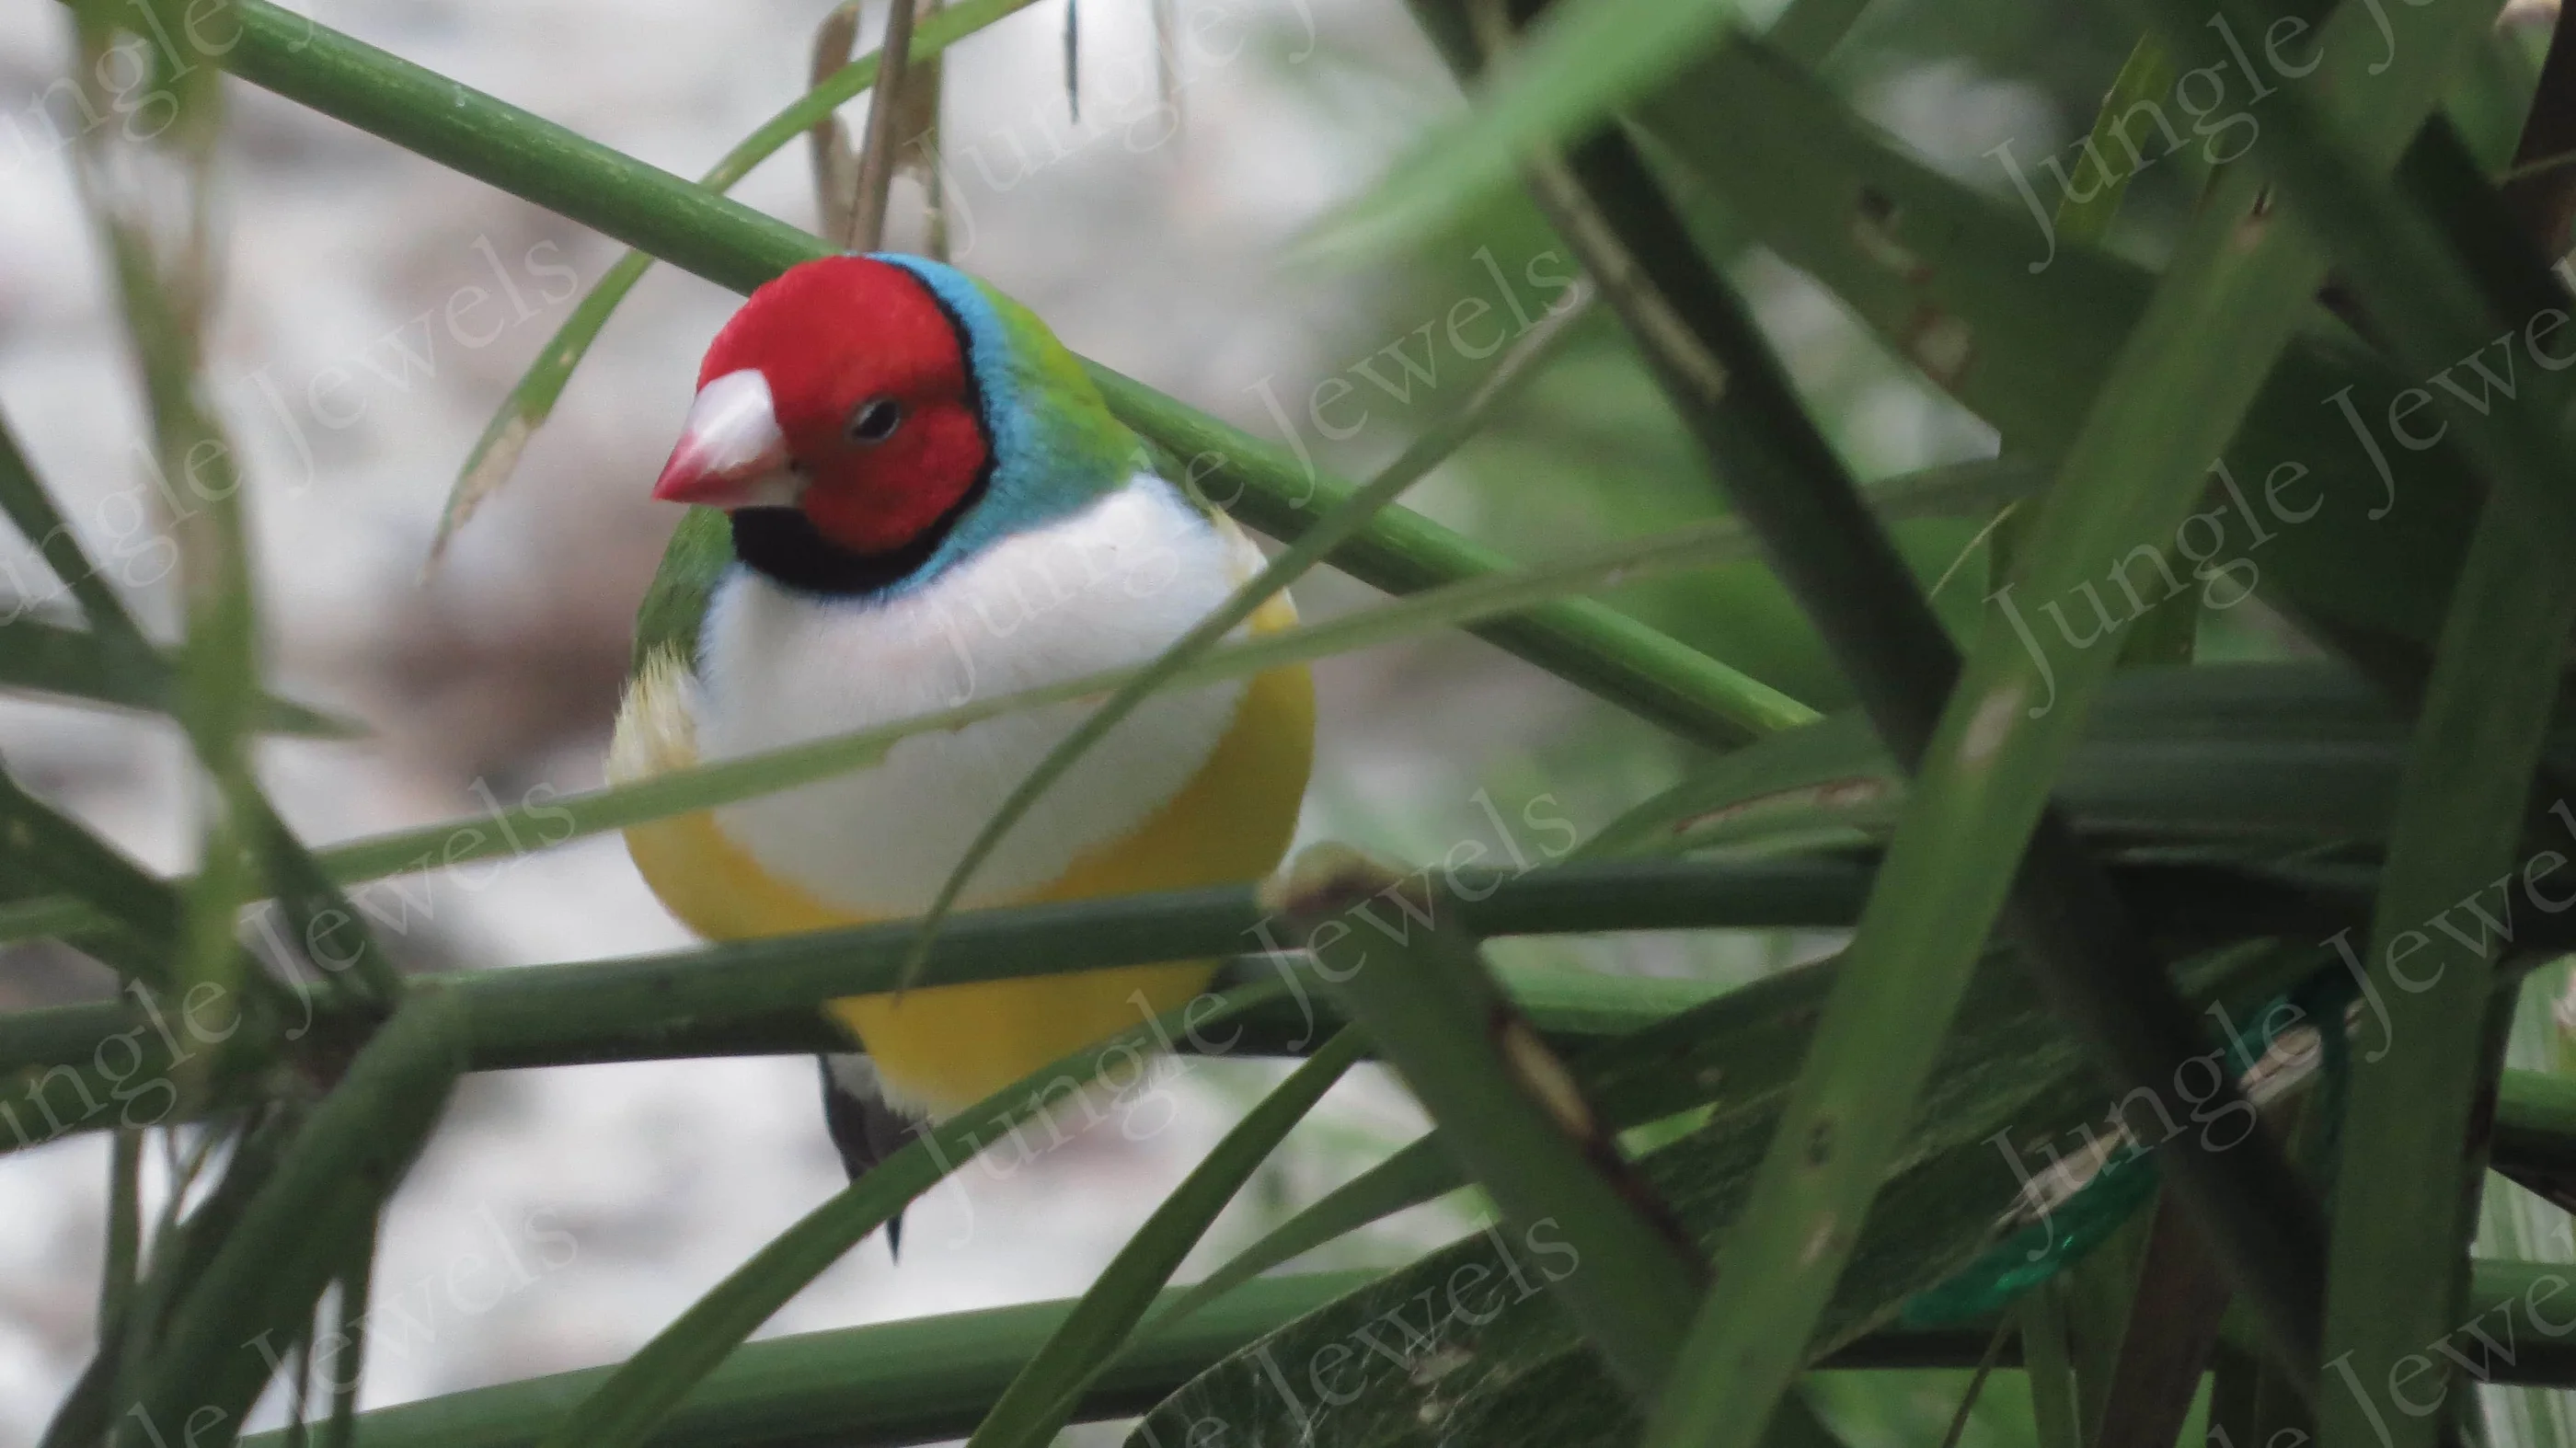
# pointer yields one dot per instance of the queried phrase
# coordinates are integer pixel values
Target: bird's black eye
(875, 420)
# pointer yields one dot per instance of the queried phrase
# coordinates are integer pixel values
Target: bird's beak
(731, 454)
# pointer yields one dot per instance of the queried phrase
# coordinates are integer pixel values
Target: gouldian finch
(905, 494)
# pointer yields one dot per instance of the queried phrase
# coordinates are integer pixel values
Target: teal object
(2042, 1249)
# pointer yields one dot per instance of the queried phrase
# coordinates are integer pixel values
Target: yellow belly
(945, 1047)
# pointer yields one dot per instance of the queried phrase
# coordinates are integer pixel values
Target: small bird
(907, 493)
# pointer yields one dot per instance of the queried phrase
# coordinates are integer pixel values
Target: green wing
(700, 552)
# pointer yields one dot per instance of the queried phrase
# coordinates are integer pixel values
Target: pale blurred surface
(376, 309)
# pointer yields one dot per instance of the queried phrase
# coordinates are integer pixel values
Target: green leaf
(1472, 1343)
(760, 995)
(177, 1263)
(2294, 755)
(47, 658)
(1585, 59)
(1808, 30)
(302, 1227)
(45, 843)
(625, 1408)
(2021, 326)
(1506, 1107)
(2048, 1356)
(1044, 1395)
(124, 1231)
(349, 1323)
(32, 510)
(2184, 377)
(2434, 258)
(1420, 1171)
(912, 1381)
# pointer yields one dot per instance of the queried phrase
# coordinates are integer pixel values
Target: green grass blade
(2301, 754)
(1744, 1040)
(328, 929)
(300, 1229)
(181, 1250)
(47, 658)
(1809, 30)
(1041, 1399)
(1344, 520)
(24, 499)
(625, 1407)
(1470, 1345)
(2166, 633)
(124, 1252)
(1825, 1166)
(496, 453)
(1977, 292)
(2048, 1356)
(759, 997)
(913, 1381)
(2182, 381)
(1588, 644)
(54, 847)
(2399, 1263)
(1507, 1108)
(1419, 1172)
(1583, 62)
(2084, 218)
(161, 247)
(756, 996)
(357, 1285)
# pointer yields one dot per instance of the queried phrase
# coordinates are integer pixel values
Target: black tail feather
(865, 1130)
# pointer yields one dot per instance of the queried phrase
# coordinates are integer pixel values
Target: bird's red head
(841, 389)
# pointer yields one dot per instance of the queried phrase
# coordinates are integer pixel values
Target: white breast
(1111, 586)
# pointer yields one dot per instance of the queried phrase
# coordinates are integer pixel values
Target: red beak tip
(683, 478)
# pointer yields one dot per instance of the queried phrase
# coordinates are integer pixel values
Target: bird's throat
(785, 545)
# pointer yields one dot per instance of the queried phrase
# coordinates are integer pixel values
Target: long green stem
(649, 1385)
(1038, 1403)
(759, 996)
(550, 820)
(1266, 485)
(1507, 1107)
(887, 1384)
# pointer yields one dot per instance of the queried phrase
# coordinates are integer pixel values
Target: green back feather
(676, 604)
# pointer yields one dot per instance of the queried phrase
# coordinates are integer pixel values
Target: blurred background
(378, 307)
